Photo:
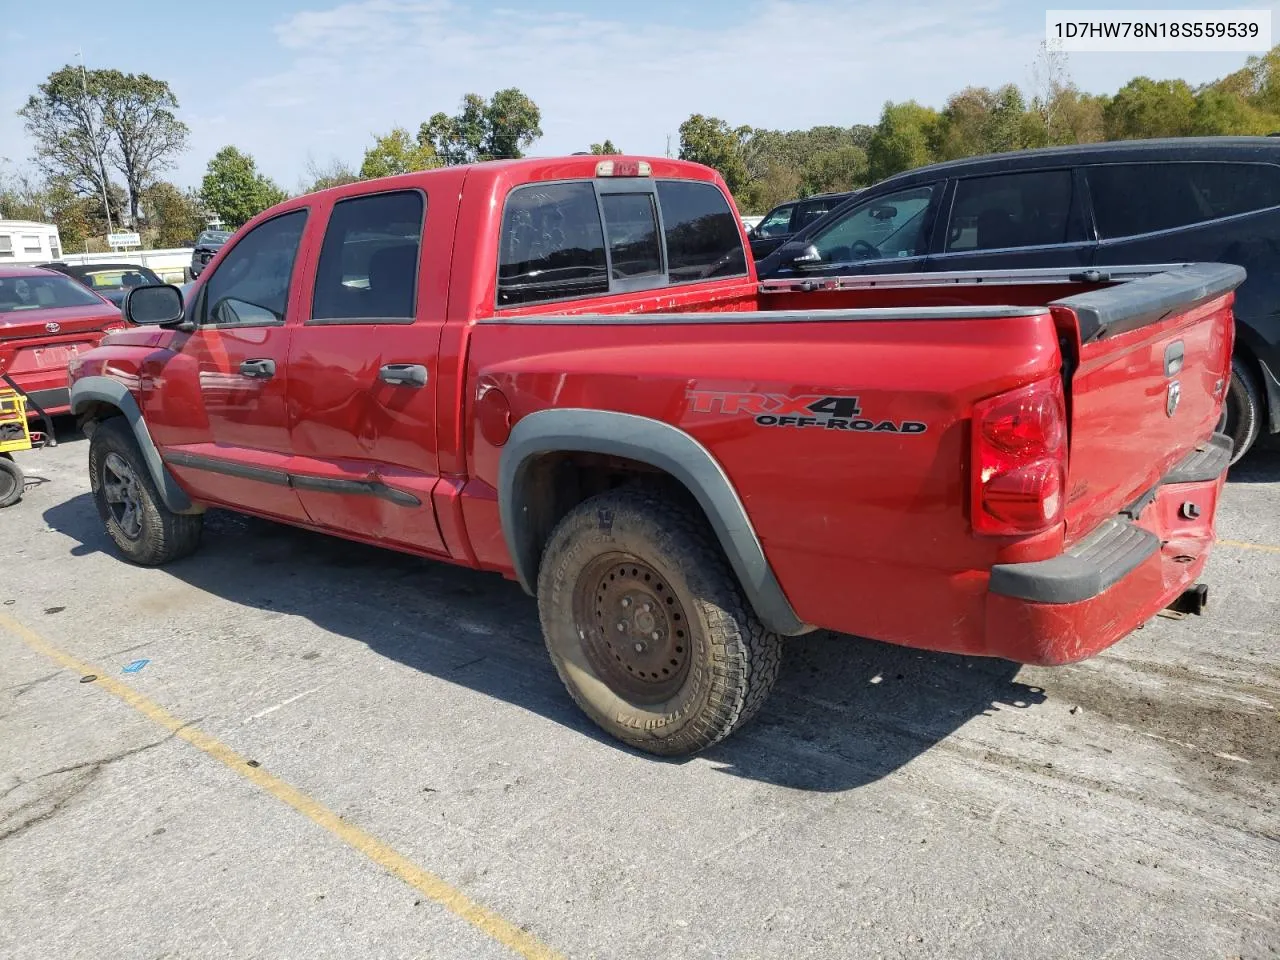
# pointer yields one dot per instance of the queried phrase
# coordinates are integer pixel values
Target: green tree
(497, 129)
(829, 171)
(1144, 108)
(146, 133)
(234, 189)
(605, 149)
(711, 141)
(902, 139)
(398, 152)
(176, 217)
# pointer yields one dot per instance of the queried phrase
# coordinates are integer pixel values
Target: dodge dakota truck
(565, 371)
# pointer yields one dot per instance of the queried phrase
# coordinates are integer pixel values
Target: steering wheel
(864, 251)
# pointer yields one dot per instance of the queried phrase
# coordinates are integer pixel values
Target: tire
(143, 528)
(1242, 412)
(12, 481)
(648, 627)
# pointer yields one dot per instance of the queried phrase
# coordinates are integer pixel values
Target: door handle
(258, 369)
(403, 374)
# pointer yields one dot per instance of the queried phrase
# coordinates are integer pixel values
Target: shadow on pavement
(1260, 465)
(846, 712)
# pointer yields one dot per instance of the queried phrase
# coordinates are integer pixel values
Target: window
(776, 224)
(889, 226)
(368, 266)
(1130, 199)
(704, 240)
(31, 244)
(251, 286)
(632, 227)
(6, 245)
(41, 292)
(55, 251)
(811, 210)
(1013, 210)
(552, 244)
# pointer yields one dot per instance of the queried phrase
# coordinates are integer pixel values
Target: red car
(564, 370)
(46, 318)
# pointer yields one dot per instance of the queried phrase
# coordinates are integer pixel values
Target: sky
(299, 82)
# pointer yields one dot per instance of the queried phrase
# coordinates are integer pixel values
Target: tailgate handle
(1173, 357)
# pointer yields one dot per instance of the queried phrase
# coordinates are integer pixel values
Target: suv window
(251, 286)
(368, 266)
(1130, 198)
(892, 225)
(776, 224)
(1012, 210)
(704, 239)
(811, 210)
(632, 227)
(552, 244)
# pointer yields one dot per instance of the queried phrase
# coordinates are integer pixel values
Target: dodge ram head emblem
(52, 327)
(1172, 395)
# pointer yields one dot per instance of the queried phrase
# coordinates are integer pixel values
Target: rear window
(39, 293)
(552, 244)
(632, 228)
(704, 240)
(1131, 199)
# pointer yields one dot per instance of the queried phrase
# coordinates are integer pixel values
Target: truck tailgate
(1152, 363)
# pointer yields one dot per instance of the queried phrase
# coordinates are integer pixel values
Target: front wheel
(648, 627)
(145, 530)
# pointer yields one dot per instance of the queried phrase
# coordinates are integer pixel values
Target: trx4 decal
(779, 410)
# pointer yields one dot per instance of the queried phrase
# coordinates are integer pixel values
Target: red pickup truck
(564, 370)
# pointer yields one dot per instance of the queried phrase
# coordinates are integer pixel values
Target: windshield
(43, 293)
(118, 277)
(212, 238)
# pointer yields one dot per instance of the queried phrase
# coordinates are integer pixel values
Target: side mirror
(158, 305)
(808, 256)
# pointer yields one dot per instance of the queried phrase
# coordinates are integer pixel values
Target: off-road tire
(728, 660)
(12, 481)
(1242, 411)
(163, 535)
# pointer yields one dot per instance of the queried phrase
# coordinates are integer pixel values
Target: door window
(251, 285)
(368, 269)
(888, 226)
(1013, 210)
(776, 224)
(1131, 199)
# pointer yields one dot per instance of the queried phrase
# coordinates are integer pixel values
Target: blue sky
(293, 81)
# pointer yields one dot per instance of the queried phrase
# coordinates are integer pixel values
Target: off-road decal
(779, 410)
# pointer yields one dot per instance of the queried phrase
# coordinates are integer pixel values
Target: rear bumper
(48, 388)
(1125, 572)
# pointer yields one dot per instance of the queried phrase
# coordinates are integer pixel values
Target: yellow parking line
(455, 901)
(1246, 545)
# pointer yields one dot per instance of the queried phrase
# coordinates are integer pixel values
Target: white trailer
(26, 241)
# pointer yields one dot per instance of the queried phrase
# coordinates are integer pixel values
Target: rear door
(1013, 221)
(364, 370)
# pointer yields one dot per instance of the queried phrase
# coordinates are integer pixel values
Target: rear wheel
(1242, 410)
(11, 481)
(145, 530)
(648, 627)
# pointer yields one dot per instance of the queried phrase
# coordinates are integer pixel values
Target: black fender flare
(662, 446)
(114, 393)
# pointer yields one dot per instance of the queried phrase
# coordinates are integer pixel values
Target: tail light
(1020, 460)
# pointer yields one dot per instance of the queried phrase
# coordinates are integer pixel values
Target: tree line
(103, 140)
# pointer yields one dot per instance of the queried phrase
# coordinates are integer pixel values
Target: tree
(398, 152)
(605, 149)
(499, 129)
(321, 177)
(147, 135)
(235, 190)
(1145, 108)
(829, 171)
(711, 141)
(902, 139)
(175, 216)
(66, 118)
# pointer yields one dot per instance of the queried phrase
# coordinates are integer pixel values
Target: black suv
(206, 245)
(788, 218)
(1097, 205)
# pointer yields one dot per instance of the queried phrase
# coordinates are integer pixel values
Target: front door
(363, 371)
(234, 370)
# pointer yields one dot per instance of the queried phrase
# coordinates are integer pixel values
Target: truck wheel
(11, 481)
(1242, 411)
(146, 531)
(647, 626)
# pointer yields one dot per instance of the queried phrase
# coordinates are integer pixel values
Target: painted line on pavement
(488, 922)
(1246, 545)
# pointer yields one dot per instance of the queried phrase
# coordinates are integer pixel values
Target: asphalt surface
(336, 752)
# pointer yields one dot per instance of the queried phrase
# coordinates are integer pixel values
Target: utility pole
(88, 119)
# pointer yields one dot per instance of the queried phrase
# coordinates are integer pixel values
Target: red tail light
(1020, 460)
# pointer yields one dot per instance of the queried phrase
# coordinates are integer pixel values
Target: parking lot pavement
(333, 751)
